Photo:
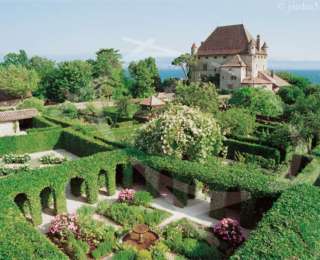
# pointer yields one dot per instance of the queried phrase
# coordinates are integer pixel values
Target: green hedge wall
(41, 122)
(251, 148)
(310, 173)
(217, 175)
(33, 142)
(290, 230)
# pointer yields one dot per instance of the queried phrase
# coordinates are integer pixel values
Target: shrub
(229, 230)
(16, 158)
(76, 248)
(144, 255)
(125, 214)
(237, 121)
(126, 254)
(69, 110)
(32, 103)
(126, 195)
(142, 198)
(103, 249)
(181, 132)
(52, 159)
(159, 251)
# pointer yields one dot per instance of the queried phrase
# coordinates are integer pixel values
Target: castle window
(205, 66)
(207, 57)
(216, 57)
(233, 77)
(224, 57)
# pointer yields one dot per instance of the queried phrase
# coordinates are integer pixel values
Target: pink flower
(126, 195)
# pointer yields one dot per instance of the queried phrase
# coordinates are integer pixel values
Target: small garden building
(16, 121)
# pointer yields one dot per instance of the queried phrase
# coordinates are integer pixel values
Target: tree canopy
(257, 100)
(185, 61)
(18, 81)
(237, 121)
(145, 76)
(71, 80)
(201, 95)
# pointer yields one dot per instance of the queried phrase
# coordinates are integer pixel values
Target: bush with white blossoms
(182, 132)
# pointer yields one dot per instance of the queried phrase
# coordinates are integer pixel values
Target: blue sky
(65, 28)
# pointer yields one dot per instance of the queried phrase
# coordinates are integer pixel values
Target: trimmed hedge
(310, 173)
(216, 175)
(290, 230)
(33, 142)
(251, 148)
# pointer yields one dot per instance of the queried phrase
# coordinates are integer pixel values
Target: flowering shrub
(126, 195)
(62, 224)
(182, 132)
(229, 230)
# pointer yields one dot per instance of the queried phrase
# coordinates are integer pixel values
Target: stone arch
(77, 188)
(23, 203)
(48, 201)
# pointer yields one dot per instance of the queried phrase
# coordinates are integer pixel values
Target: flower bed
(52, 159)
(16, 158)
(186, 239)
(79, 236)
(129, 215)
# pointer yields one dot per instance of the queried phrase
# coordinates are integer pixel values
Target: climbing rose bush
(62, 224)
(126, 195)
(182, 132)
(228, 229)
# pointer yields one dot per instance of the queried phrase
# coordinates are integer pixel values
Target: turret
(264, 47)
(252, 48)
(258, 42)
(193, 49)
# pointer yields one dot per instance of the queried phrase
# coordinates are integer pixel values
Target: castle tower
(194, 49)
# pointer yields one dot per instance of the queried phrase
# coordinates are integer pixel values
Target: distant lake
(312, 75)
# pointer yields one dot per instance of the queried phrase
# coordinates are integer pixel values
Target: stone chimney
(258, 42)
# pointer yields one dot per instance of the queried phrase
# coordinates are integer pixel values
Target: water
(312, 75)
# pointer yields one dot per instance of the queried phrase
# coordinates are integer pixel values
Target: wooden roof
(152, 102)
(15, 115)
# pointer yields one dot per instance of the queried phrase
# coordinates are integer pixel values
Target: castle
(232, 58)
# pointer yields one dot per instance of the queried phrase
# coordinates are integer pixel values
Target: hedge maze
(289, 228)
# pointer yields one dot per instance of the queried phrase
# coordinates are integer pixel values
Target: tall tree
(107, 71)
(20, 58)
(44, 67)
(18, 81)
(145, 77)
(201, 95)
(71, 81)
(185, 61)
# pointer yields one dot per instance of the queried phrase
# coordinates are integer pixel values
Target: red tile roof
(232, 39)
(152, 102)
(15, 115)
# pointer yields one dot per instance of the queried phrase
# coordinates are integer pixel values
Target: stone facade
(9, 128)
